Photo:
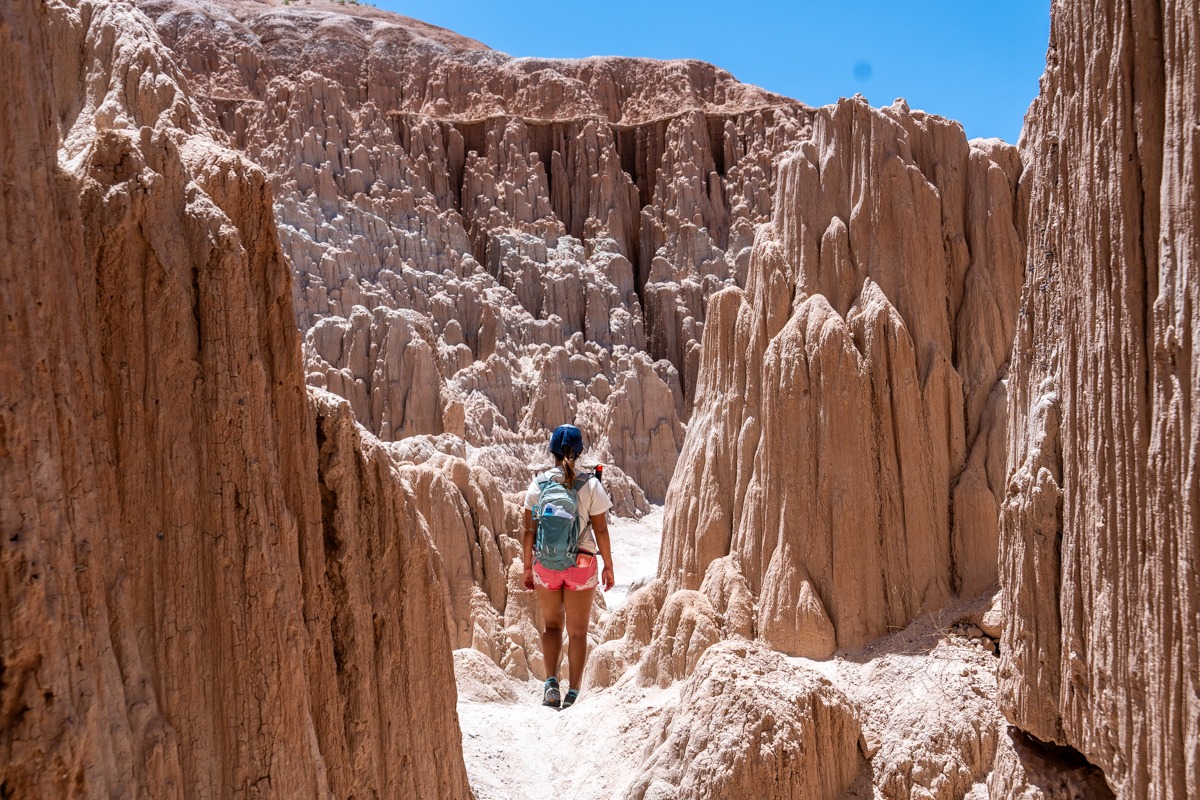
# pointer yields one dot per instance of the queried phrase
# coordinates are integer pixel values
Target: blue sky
(977, 62)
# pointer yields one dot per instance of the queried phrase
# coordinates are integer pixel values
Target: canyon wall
(217, 580)
(175, 618)
(1099, 545)
(848, 437)
(488, 246)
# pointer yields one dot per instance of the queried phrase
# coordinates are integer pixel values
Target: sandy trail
(524, 751)
(923, 694)
(516, 749)
(635, 547)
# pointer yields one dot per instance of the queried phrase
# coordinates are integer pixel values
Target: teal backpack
(558, 522)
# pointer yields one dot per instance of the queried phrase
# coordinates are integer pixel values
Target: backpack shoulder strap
(582, 481)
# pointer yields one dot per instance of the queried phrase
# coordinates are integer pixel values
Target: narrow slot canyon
(898, 427)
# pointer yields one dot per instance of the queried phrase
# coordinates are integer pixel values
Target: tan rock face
(659, 639)
(625, 636)
(508, 207)
(377, 608)
(686, 626)
(176, 617)
(1099, 523)
(749, 724)
(848, 432)
(929, 716)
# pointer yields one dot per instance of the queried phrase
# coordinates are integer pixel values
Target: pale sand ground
(919, 684)
(635, 546)
(592, 751)
(516, 749)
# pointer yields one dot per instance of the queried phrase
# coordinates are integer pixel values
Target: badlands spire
(848, 438)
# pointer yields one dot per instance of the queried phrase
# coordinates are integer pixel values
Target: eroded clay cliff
(1100, 518)
(175, 618)
(847, 440)
(546, 227)
(216, 582)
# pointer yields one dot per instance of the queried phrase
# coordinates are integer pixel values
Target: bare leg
(579, 612)
(552, 612)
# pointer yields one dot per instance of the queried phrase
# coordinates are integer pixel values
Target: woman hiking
(560, 557)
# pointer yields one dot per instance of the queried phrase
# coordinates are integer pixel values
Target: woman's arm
(600, 527)
(527, 543)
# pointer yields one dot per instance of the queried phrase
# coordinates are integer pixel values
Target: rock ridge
(170, 625)
(872, 325)
(603, 198)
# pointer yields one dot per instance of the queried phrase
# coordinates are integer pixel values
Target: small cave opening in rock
(1052, 766)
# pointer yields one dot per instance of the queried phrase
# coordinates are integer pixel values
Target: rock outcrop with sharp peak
(847, 442)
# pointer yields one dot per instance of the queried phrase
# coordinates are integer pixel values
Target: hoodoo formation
(292, 294)
(847, 444)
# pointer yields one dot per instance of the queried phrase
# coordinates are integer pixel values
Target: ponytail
(568, 465)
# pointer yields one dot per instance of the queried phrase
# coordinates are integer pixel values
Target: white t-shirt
(593, 501)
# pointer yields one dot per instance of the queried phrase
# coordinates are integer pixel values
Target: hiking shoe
(569, 700)
(550, 694)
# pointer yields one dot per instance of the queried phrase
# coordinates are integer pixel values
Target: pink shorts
(575, 577)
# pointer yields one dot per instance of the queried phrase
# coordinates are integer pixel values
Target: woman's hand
(529, 578)
(600, 526)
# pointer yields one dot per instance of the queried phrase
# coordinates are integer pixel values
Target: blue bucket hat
(567, 440)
